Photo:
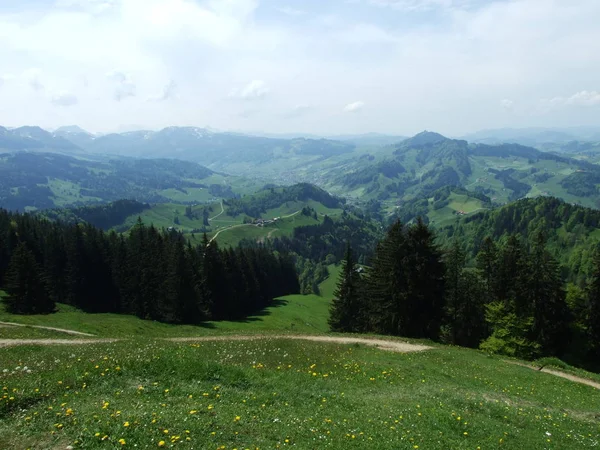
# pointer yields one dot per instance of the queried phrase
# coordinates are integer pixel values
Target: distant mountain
(35, 139)
(534, 136)
(429, 161)
(211, 148)
(77, 135)
(37, 180)
(370, 139)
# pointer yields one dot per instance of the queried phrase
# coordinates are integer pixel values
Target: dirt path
(392, 346)
(13, 342)
(60, 330)
(229, 228)
(222, 211)
(246, 225)
(557, 373)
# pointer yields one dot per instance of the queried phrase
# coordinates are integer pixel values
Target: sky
(306, 66)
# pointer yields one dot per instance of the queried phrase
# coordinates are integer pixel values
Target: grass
(277, 393)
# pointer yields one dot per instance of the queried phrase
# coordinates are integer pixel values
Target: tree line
(513, 301)
(150, 273)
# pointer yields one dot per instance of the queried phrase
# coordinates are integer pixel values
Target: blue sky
(326, 67)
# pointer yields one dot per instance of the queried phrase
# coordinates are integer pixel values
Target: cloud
(168, 92)
(582, 99)
(92, 6)
(507, 104)
(435, 64)
(354, 107)
(422, 5)
(32, 77)
(585, 98)
(298, 111)
(64, 98)
(254, 90)
(289, 11)
(6, 78)
(124, 86)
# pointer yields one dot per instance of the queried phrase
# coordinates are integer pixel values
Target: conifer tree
(344, 309)
(487, 264)
(593, 320)
(425, 283)
(25, 285)
(465, 300)
(384, 302)
(550, 326)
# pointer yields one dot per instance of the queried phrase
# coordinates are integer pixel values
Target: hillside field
(272, 391)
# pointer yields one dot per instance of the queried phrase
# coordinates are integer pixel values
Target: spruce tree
(487, 264)
(425, 284)
(455, 264)
(344, 309)
(593, 320)
(550, 327)
(25, 285)
(384, 304)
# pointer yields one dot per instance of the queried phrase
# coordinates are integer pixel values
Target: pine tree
(25, 285)
(425, 284)
(550, 327)
(344, 309)
(487, 264)
(593, 321)
(384, 303)
(455, 264)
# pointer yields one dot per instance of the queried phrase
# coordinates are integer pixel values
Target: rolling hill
(269, 213)
(33, 181)
(420, 165)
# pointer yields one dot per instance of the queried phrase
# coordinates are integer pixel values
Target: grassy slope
(278, 393)
(294, 313)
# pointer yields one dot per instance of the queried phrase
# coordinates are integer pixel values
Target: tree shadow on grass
(254, 317)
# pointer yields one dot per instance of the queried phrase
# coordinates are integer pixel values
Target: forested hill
(48, 180)
(428, 161)
(105, 216)
(274, 197)
(572, 231)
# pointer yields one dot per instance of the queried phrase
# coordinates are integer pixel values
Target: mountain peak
(71, 129)
(426, 138)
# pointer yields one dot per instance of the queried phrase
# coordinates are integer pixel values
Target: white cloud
(298, 111)
(93, 6)
(581, 99)
(32, 78)
(421, 5)
(437, 64)
(354, 107)
(585, 98)
(6, 78)
(64, 98)
(254, 90)
(124, 86)
(507, 104)
(168, 92)
(289, 11)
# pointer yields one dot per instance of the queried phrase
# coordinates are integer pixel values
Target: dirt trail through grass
(60, 330)
(392, 346)
(557, 373)
(13, 342)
